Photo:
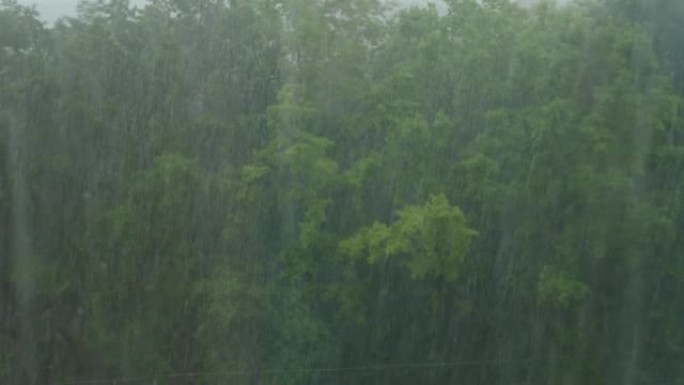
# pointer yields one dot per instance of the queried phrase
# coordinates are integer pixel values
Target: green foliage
(272, 190)
(558, 289)
(433, 239)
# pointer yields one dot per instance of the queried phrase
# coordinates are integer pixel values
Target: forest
(342, 192)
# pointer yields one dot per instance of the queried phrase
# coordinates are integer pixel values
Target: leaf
(430, 240)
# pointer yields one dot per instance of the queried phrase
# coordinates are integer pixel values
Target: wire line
(376, 367)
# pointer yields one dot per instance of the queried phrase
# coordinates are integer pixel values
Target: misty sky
(53, 9)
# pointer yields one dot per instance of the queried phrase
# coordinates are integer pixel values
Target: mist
(332, 192)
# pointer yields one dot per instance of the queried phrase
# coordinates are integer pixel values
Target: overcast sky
(53, 9)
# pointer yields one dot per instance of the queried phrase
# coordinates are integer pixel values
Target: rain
(314, 192)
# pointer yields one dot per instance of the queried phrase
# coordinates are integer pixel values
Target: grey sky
(53, 9)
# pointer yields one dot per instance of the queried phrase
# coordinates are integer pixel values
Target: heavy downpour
(314, 192)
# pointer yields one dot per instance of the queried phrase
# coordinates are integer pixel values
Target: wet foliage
(342, 192)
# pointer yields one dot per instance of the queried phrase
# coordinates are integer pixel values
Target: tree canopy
(342, 192)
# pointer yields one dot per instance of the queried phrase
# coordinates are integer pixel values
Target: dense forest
(343, 192)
